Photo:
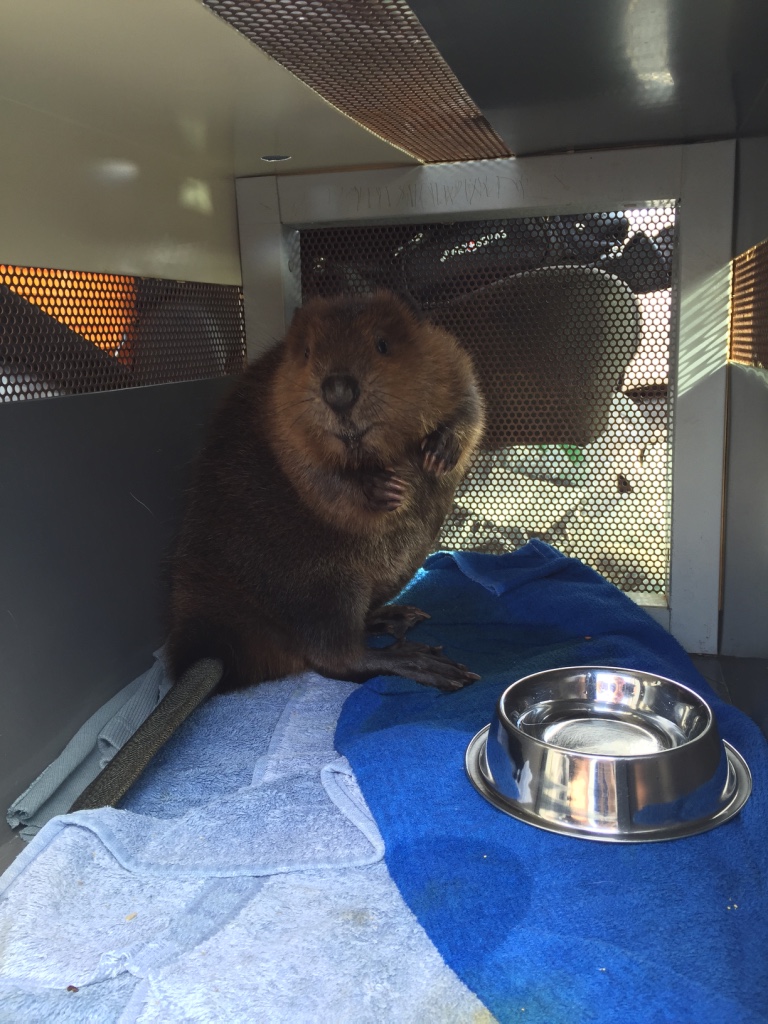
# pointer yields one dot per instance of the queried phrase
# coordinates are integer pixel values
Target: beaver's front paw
(383, 489)
(441, 451)
(395, 619)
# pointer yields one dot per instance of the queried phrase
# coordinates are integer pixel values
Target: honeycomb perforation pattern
(569, 321)
(372, 60)
(66, 332)
(749, 307)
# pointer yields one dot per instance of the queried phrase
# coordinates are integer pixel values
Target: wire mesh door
(569, 320)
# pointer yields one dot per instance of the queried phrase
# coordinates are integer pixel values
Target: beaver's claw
(384, 490)
(441, 451)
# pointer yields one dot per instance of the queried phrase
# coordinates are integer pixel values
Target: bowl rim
(475, 753)
(705, 735)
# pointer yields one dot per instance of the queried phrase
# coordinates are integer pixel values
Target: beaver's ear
(304, 317)
(297, 321)
(299, 332)
(302, 313)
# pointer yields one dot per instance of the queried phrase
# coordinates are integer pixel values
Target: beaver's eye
(306, 353)
(381, 346)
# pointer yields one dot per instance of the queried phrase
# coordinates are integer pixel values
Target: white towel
(242, 881)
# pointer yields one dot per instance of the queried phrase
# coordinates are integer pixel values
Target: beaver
(322, 487)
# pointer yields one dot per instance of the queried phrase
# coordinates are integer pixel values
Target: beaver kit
(323, 485)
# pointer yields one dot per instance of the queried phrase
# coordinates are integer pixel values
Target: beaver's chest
(390, 560)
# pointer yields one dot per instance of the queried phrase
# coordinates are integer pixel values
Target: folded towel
(166, 910)
(543, 927)
(90, 749)
(185, 818)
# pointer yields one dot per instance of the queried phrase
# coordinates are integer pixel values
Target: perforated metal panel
(373, 60)
(72, 332)
(749, 307)
(569, 322)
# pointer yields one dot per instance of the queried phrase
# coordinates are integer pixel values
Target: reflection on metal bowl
(609, 754)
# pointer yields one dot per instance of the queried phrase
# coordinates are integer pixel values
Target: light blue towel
(242, 880)
(220, 801)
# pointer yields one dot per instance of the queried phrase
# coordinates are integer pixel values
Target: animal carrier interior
(576, 193)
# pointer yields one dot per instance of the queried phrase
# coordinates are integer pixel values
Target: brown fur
(323, 486)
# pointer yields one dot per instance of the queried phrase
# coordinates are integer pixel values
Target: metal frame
(700, 177)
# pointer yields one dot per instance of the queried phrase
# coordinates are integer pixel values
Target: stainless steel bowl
(609, 754)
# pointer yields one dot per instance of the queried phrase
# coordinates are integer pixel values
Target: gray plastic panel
(91, 490)
(745, 563)
(751, 193)
(558, 75)
(745, 589)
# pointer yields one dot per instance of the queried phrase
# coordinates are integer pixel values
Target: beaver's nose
(340, 391)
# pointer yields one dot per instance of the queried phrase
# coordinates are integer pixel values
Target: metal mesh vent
(749, 307)
(568, 320)
(66, 332)
(372, 60)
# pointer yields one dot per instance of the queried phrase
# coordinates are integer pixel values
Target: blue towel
(545, 928)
